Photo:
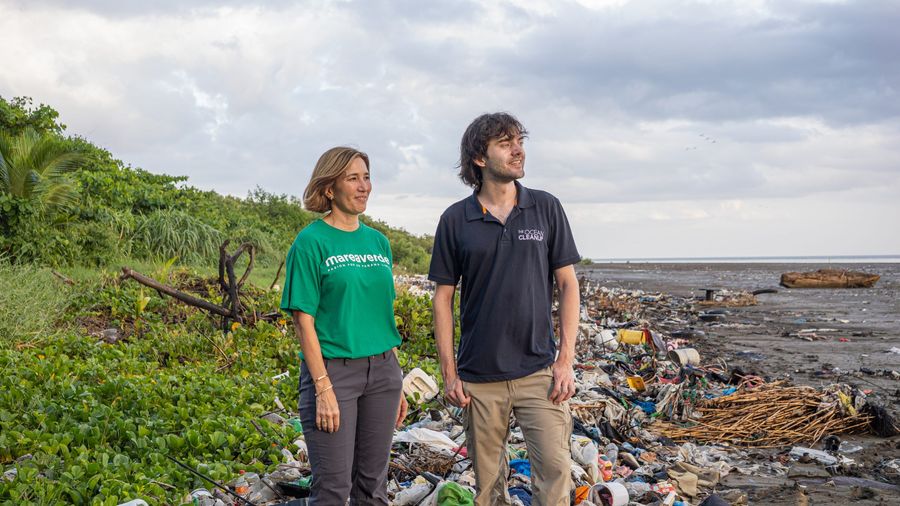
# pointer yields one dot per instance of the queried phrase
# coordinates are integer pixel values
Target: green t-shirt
(343, 280)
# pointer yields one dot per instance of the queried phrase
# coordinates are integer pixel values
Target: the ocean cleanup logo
(531, 235)
(356, 260)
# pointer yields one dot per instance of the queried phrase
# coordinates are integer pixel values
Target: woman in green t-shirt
(339, 288)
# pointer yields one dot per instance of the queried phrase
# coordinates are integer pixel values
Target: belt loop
(345, 361)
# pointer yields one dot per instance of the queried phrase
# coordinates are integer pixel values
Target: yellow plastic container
(628, 336)
(636, 383)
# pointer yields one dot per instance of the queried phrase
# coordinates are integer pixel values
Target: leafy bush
(415, 323)
(18, 114)
(28, 235)
(98, 419)
(412, 254)
(98, 243)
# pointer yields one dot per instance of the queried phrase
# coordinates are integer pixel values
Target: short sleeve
(302, 279)
(444, 268)
(386, 244)
(562, 244)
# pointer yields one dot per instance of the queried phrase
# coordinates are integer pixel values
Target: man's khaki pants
(547, 429)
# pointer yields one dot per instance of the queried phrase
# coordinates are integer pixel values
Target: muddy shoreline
(808, 337)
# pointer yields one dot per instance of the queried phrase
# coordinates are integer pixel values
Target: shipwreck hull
(829, 278)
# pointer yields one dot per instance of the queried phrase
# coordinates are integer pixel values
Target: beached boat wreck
(829, 278)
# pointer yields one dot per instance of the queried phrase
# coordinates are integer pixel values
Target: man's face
(505, 158)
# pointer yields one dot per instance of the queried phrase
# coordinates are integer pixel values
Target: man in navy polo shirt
(507, 244)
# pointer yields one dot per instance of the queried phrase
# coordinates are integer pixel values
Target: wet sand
(856, 328)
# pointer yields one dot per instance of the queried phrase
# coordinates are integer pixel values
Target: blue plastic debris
(521, 494)
(648, 406)
(521, 466)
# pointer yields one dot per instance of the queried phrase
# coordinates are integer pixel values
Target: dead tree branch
(277, 275)
(230, 287)
(168, 290)
(63, 278)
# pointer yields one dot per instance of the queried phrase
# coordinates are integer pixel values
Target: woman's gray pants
(353, 462)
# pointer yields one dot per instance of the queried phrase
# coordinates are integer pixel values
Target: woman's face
(351, 190)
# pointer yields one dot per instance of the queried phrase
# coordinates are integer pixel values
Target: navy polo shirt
(507, 282)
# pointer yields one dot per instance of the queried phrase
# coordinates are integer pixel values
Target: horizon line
(764, 257)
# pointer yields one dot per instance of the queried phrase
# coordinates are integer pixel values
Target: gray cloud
(836, 61)
(799, 97)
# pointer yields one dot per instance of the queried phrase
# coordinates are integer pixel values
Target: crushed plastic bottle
(241, 487)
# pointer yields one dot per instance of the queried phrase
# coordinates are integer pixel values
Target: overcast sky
(668, 129)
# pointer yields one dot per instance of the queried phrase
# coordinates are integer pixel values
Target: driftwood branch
(227, 280)
(231, 308)
(277, 275)
(63, 278)
(233, 292)
(168, 290)
(223, 255)
(250, 251)
(225, 259)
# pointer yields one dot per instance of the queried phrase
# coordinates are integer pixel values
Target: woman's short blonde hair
(328, 169)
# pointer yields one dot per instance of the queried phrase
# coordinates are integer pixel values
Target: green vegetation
(98, 419)
(31, 302)
(83, 421)
(33, 167)
(67, 202)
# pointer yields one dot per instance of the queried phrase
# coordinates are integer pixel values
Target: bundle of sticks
(420, 458)
(590, 413)
(769, 417)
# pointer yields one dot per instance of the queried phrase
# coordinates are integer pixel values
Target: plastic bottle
(606, 468)
(413, 494)
(251, 479)
(201, 497)
(241, 487)
(612, 452)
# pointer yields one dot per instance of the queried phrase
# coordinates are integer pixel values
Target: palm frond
(33, 167)
(5, 154)
(56, 192)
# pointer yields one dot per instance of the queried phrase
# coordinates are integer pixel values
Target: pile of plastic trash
(638, 377)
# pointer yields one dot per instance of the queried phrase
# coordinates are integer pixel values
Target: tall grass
(268, 249)
(165, 234)
(31, 302)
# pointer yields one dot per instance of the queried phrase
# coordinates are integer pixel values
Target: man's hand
(563, 381)
(401, 410)
(442, 302)
(569, 302)
(453, 391)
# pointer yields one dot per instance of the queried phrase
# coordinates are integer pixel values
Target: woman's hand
(401, 411)
(328, 414)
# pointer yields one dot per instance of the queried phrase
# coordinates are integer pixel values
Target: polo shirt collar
(473, 207)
